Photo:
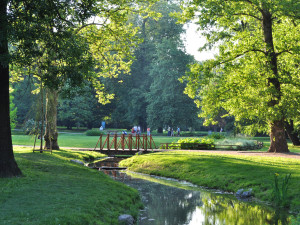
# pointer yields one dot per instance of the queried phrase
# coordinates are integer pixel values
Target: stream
(172, 202)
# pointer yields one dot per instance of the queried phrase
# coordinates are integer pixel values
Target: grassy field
(80, 195)
(54, 190)
(221, 171)
(80, 140)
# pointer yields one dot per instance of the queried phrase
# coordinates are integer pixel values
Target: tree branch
(89, 24)
(239, 55)
(279, 53)
(245, 14)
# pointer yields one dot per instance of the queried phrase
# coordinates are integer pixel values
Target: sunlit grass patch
(54, 190)
(222, 171)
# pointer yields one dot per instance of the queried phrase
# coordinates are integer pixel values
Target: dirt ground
(263, 154)
(284, 155)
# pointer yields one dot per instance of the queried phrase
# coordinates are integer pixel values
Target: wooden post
(130, 142)
(115, 141)
(144, 137)
(150, 142)
(122, 141)
(34, 143)
(108, 147)
(101, 147)
(137, 142)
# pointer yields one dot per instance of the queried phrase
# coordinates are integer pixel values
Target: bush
(93, 133)
(31, 127)
(190, 143)
(217, 136)
(238, 141)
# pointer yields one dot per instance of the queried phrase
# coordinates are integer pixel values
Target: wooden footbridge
(124, 144)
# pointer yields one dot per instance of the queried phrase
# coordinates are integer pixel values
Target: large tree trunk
(277, 134)
(292, 133)
(8, 165)
(51, 133)
(277, 137)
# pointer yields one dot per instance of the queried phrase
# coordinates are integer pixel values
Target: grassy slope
(226, 172)
(54, 190)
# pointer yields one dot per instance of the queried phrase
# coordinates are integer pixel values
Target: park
(107, 118)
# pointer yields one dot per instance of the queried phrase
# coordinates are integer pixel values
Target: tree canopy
(153, 96)
(56, 31)
(255, 75)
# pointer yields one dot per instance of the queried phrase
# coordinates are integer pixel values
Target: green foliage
(13, 113)
(94, 133)
(280, 192)
(191, 143)
(28, 104)
(217, 136)
(152, 96)
(30, 127)
(255, 76)
(295, 220)
(237, 141)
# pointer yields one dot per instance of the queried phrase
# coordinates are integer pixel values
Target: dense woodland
(150, 96)
(77, 63)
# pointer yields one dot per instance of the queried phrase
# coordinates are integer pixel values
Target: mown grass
(80, 140)
(221, 171)
(54, 190)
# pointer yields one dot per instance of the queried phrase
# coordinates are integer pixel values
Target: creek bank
(225, 172)
(172, 200)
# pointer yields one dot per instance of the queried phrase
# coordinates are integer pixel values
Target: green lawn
(80, 140)
(54, 190)
(221, 171)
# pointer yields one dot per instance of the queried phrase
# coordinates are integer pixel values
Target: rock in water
(126, 220)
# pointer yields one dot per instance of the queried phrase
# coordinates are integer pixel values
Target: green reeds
(280, 192)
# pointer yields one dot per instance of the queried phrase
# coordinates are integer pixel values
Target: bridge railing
(122, 142)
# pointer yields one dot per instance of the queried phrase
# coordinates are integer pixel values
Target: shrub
(239, 142)
(31, 127)
(189, 143)
(187, 134)
(93, 133)
(217, 136)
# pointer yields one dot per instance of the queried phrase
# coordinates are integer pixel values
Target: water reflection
(169, 202)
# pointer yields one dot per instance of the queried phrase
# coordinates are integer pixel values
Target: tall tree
(167, 104)
(159, 62)
(8, 165)
(255, 76)
(28, 22)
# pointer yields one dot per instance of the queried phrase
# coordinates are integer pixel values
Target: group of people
(136, 130)
(171, 131)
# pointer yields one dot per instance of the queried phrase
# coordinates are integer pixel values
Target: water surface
(171, 202)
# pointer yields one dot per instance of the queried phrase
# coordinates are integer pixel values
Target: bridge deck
(127, 151)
